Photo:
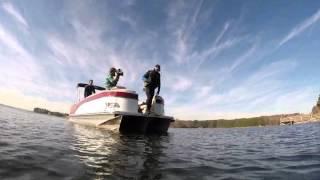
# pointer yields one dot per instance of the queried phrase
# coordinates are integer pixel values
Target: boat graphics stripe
(103, 94)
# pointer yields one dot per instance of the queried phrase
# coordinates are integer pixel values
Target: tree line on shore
(45, 111)
(246, 122)
(222, 123)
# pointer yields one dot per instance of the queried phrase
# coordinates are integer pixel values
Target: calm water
(34, 146)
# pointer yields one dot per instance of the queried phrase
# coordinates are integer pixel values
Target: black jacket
(152, 79)
(88, 90)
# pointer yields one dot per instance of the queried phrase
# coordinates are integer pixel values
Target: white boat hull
(125, 123)
(118, 111)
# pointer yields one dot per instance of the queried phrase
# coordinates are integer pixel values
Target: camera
(120, 72)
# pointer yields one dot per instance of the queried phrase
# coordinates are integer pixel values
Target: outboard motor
(157, 106)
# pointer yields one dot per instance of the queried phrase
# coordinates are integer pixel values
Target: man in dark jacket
(151, 82)
(89, 89)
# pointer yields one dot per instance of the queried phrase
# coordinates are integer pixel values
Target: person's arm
(159, 84)
(94, 90)
(158, 89)
(108, 82)
(146, 76)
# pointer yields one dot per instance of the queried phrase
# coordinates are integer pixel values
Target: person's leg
(150, 94)
(147, 90)
(85, 93)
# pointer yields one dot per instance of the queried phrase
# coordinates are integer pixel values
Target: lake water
(34, 146)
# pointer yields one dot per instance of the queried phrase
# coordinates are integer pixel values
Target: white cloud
(213, 51)
(20, 70)
(241, 59)
(261, 83)
(182, 26)
(129, 20)
(10, 9)
(185, 21)
(15, 58)
(15, 98)
(262, 93)
(228, 106)
(181, 84)
(11, 42)
(301, 28)
(222, 33)
(300, 100)
(61, 51)
(92, 49)
(128, 2)
(203, 91)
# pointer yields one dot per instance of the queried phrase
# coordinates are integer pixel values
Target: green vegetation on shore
(45, 111)
(221, 123)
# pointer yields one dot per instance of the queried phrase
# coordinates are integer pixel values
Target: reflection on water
(92, 146)
(119, 156)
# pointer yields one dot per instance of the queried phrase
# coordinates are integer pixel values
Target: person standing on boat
(151, 82)
(89, 89)
(113, 77)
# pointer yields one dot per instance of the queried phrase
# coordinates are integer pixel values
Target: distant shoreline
(52, 113)
(273, 120)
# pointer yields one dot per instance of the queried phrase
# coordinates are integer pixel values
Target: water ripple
(34, 146)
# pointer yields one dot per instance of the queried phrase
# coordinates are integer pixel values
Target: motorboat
(118, 110)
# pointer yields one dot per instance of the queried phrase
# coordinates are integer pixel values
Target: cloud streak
(10, 9)
(301, 27)
(249, 97)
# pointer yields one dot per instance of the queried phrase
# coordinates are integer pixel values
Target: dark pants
(150, 94)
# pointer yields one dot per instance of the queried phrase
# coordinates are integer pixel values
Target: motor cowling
(157, 106)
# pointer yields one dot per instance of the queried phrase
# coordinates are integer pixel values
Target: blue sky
(219, 59)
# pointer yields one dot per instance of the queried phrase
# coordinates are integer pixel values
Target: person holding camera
(113, 77)
(151, 82)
